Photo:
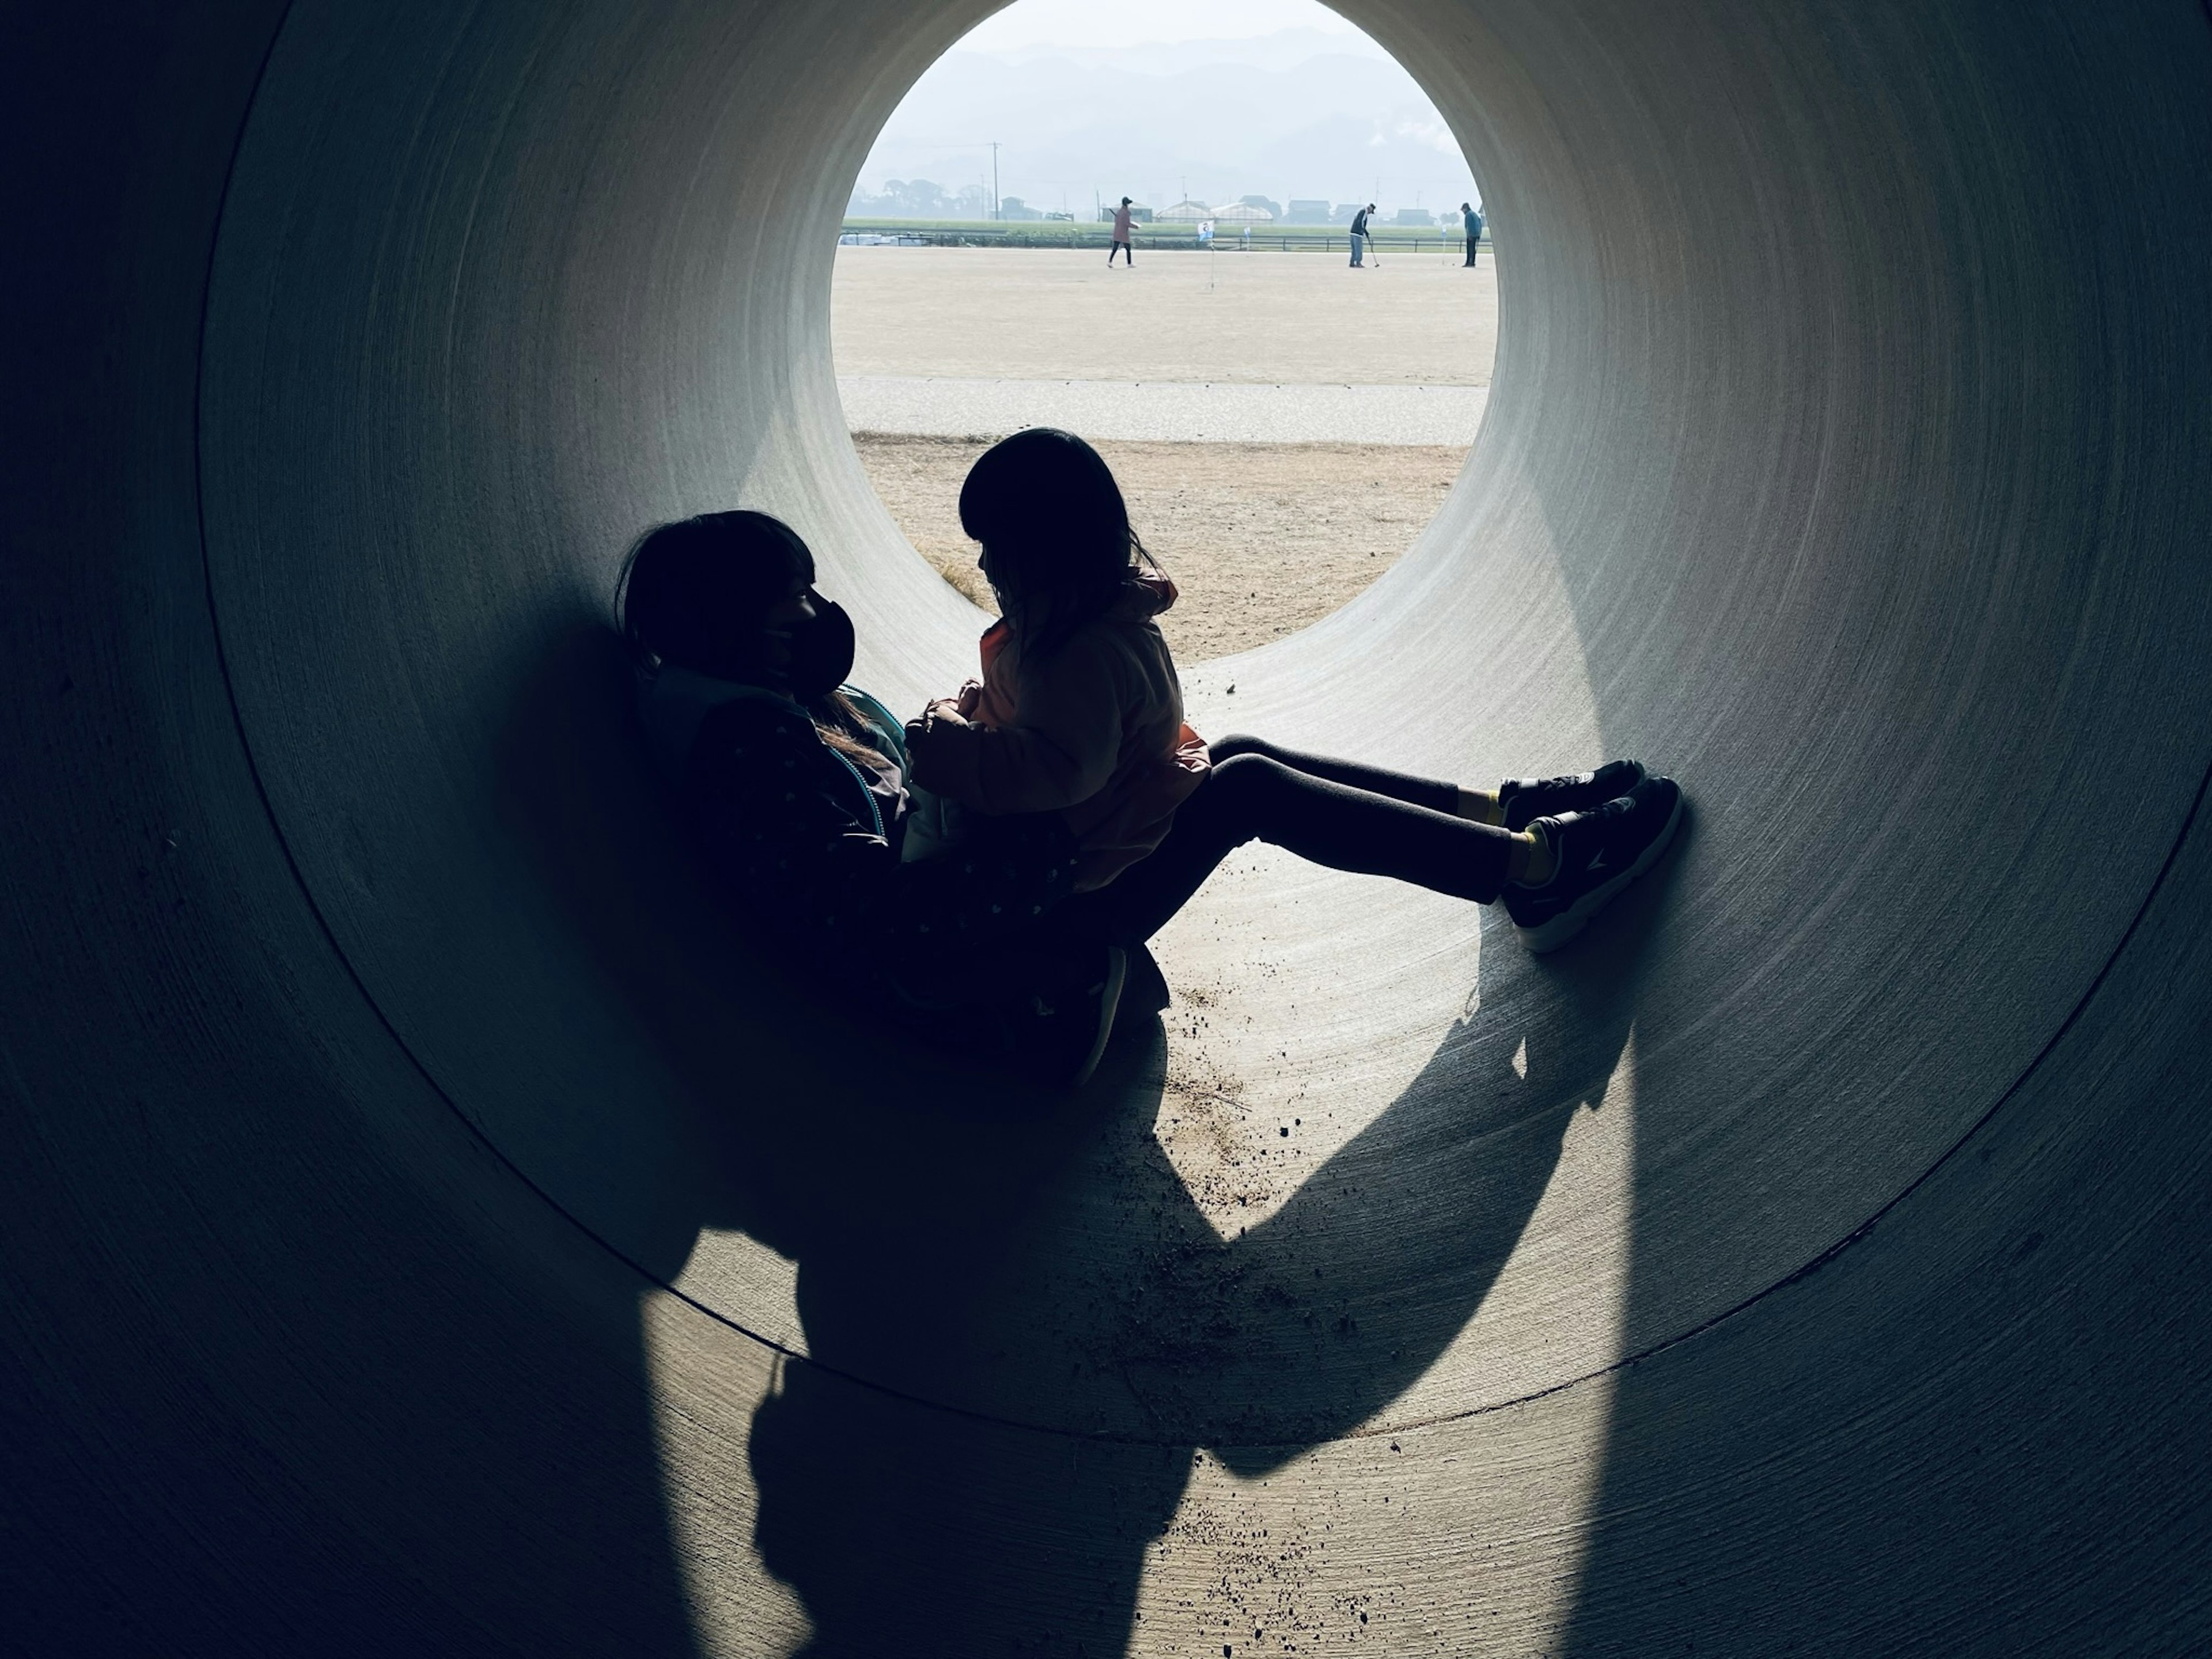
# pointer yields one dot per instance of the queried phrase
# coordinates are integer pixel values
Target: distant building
(1307, 213)
(1274, 208)
(1414, 217)
(1243, 213)
(1138, 216)
(1185, 213)
(1012, 207)
(1346, 212)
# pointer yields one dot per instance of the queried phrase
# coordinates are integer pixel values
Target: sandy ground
(1047, 314)
(1261, 538)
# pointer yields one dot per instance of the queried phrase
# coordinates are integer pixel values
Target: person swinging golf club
(1359, 234)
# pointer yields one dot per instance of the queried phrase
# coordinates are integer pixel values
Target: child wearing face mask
(794, 786)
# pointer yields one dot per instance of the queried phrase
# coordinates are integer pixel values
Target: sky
(1159, 99)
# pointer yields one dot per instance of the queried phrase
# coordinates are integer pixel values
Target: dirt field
(1044, 313)
(1261, 538)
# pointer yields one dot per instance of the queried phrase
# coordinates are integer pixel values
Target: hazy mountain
(1300, 113)
(1282, 50)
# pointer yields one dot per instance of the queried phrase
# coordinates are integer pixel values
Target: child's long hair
(697, 592)
(1057, 546)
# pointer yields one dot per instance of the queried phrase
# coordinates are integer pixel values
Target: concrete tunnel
(427, 1230)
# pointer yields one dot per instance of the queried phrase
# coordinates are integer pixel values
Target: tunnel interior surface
(417, 1190)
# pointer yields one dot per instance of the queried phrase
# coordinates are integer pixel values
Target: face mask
(821, 652)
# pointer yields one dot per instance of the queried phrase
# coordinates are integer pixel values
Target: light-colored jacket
(1094, 731)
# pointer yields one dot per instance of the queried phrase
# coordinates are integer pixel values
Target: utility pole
(994, 180)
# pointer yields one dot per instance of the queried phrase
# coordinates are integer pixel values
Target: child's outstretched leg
(1556, 873)
(1514, 805)
(1251, 796)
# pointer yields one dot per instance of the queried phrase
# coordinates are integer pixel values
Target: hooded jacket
(1093, 732)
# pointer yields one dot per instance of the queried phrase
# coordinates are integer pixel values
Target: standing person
(1473, 216)
(1359, 233)
(1122, 237)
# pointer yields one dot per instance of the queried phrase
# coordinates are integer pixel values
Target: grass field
(1286, 238)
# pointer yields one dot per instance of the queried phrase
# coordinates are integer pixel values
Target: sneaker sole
(1110, 1001)
(1572, 920)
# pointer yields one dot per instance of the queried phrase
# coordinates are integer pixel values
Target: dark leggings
(1346, 816)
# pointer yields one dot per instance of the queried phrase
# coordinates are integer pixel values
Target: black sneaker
(1526, 799)
(1064, 1031)
(1599, 852)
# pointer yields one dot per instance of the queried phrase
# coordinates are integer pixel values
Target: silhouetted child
(1079, 713)
(794, 786)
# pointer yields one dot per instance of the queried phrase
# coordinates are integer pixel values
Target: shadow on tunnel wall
(264, 1387)
(1894, 551)
(944, 1246)
(388, 1453)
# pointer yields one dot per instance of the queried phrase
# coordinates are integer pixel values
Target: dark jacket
(807, 840)
(789, 825)
(1359, 222)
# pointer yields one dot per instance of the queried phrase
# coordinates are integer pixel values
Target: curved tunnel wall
(1845, 454)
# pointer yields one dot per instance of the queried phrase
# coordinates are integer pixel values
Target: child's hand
(920, 729)
(970, 693)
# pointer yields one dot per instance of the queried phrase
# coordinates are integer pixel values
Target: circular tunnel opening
(1799, 1267)
(496, 865)
(483, 306)
(1284, 424)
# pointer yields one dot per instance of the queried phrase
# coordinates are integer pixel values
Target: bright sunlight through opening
(1285, 361)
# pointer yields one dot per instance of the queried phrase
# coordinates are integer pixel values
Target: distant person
(1079, 716)
(1472, 217)
(1122, 237)
(1206, 233)
(1359, 233)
